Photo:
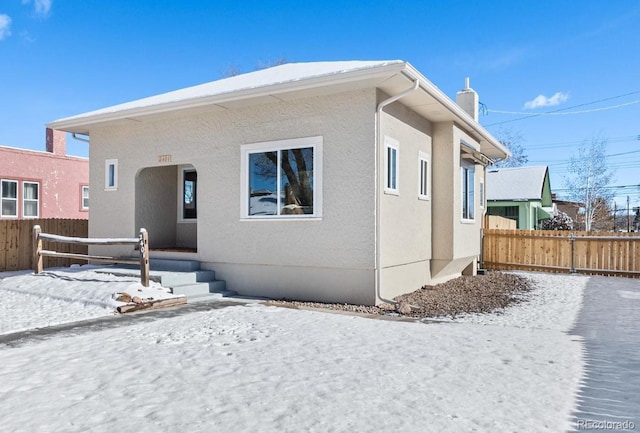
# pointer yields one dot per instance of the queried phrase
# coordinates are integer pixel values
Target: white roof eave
(375, 75)
(139, 108)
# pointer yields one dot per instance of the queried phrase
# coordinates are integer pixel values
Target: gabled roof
(291, 81)
(516, 183)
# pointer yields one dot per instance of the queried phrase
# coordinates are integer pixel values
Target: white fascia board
(106, 115)
(456, 110)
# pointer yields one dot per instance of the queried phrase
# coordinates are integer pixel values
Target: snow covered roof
(516, 183)
(292, 81)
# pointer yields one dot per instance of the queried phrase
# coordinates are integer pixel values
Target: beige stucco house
(331, 181)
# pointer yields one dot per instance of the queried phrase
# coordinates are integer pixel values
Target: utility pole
(628, 217)
(615, 212)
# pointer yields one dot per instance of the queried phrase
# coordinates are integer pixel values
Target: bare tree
(589, 178)
(231, 71)
(512, 140)
(271, 63)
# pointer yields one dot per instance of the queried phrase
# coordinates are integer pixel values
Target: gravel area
(487, 293)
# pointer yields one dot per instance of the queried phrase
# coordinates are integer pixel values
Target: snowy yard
(256, 368)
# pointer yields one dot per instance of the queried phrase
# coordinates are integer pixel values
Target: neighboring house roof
(516, 183)
(292, 81)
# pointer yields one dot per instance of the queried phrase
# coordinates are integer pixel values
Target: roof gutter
(75, 136)
(378, 187)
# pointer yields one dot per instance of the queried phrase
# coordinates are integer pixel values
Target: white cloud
(42, 7)
(5, 26)
(542, 101)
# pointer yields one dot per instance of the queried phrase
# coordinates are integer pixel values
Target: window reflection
(281, 182)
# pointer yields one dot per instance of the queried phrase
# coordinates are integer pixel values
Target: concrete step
(202, 288)
(172, 279)
(183, 277)
(174, 265)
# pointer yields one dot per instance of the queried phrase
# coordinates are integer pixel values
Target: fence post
(144, 257)
(37, 247)
(572, 239)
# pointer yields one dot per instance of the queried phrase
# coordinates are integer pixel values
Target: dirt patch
(487, 293)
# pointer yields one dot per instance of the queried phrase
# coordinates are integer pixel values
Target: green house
(522, 194)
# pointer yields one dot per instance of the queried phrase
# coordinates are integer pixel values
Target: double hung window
(9, 198)
(84, 198)
(30, 199)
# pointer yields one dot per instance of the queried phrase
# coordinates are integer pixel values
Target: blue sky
(61, 58)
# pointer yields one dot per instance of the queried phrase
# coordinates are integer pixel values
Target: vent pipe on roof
(468, 100)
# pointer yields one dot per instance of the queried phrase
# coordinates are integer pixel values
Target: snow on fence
(562, 251)
(142, 241)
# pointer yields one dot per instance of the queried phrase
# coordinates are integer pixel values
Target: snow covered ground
(255, 368)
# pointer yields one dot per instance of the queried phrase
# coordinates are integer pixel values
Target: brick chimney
(468, 100)
(56, 142)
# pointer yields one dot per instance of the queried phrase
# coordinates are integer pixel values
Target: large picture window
(9, 198)
(468, 181)
(282, 179)
(30, 199)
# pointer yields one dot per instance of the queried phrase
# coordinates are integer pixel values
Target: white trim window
(423, 176)
(282, 179)
(30, 199)
(84, 197)
(9, 196)
(111, 175)
(391, 166)
(188, 204)
(467, 172)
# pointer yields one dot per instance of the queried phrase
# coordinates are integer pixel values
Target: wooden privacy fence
(142, 241)
(16, 247)
(562, 251)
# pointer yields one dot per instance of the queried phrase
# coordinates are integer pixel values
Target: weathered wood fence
(16, 247)
(562, 251)
(142, 241)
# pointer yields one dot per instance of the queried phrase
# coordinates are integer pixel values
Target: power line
(573, 143)
(563, 109)
(593, 110)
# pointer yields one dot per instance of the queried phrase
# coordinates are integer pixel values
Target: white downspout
(378, 188)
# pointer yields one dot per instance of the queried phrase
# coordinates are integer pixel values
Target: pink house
(51, 184)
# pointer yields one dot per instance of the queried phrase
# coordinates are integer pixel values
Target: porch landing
(183, 277)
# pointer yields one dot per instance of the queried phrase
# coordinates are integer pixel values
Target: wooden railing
(142, 241)
(562, 251)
